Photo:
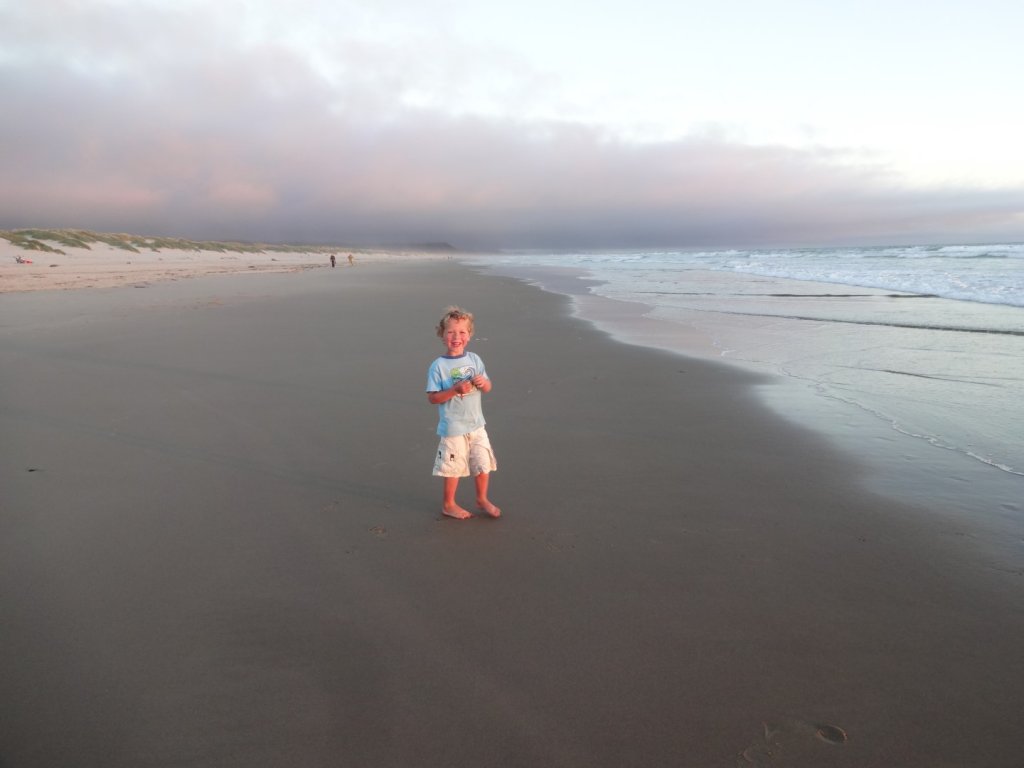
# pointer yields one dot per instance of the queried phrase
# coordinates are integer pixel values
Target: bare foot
(455, 511)
(488, 509)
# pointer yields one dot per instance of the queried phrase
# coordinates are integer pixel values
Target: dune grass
(50, 240)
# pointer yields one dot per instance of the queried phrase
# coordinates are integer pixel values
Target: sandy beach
(102, 265)
(221, 546)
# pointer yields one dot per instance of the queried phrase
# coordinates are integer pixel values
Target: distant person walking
(351, 260)
(332, 261)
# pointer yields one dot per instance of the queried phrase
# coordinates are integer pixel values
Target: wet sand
(220, 545)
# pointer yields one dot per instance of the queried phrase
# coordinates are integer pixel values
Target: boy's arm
(461, 388)
(436, 398)
(481, 381)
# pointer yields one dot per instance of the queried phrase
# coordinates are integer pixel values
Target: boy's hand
(463, 387)
(480, 382)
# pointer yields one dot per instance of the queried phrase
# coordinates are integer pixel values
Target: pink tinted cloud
(252, 142)
(248, 197)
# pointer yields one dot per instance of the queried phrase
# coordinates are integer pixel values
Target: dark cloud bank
(257, 146)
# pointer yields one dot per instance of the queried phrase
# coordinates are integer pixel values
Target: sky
(527, 124)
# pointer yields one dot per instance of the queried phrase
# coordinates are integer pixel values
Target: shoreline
(222, 546)
(903, 464)
(900, 465)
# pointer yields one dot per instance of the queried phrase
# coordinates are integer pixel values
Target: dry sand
(221, 546)
(105, 266)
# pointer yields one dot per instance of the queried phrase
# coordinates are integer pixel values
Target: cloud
(207, 126)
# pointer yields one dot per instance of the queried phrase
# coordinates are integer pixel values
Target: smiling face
(456, 336)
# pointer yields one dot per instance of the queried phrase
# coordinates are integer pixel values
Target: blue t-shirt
(460, 415)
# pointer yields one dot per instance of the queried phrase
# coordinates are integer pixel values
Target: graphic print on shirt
(462, 373)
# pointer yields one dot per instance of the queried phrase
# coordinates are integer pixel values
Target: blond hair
(453, 313)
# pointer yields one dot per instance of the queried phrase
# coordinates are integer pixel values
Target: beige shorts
(465, 455)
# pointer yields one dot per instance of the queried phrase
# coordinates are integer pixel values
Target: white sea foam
(992, 274)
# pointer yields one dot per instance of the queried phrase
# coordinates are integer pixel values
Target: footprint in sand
(833, 734)
(792, 743)
(379, 530)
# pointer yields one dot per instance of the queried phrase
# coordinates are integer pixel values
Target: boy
(455, 382)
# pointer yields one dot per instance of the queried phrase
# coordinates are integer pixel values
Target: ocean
(911, 357)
